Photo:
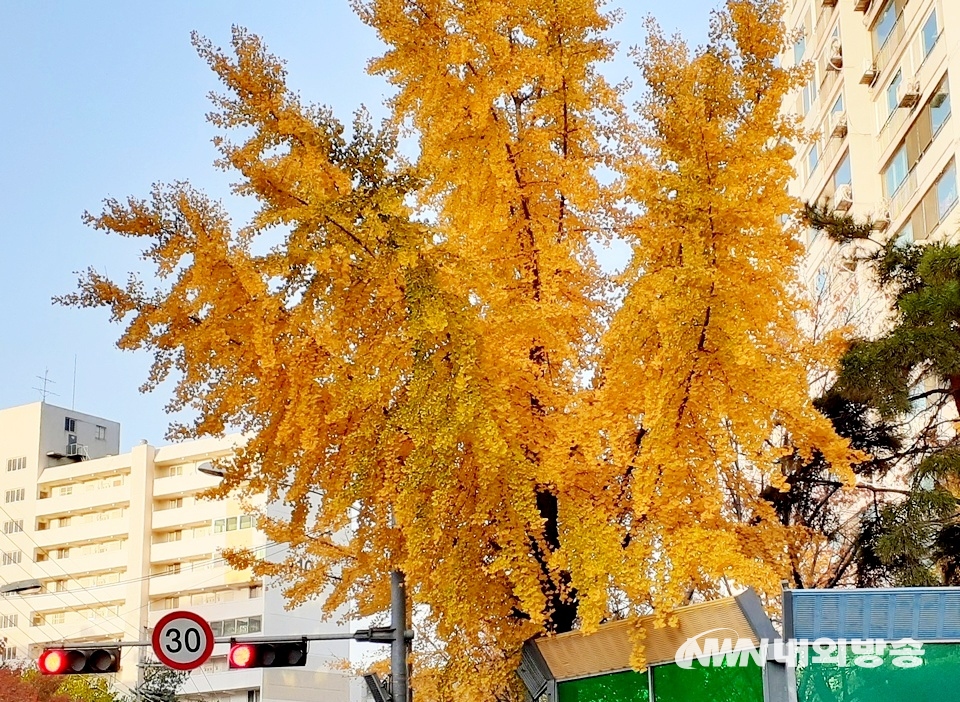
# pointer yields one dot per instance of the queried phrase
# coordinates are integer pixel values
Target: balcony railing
(890, 44)
(929, 66)
(824, 22)
(830, 151)
(904, 193)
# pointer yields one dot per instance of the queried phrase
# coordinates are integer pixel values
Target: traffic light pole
(398, 647)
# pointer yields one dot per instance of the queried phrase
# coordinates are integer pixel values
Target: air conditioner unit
(850, 256)
(861, 5)
(908, 93)
(76, 451)
(835, 56)
(938, 99)
(881, 218)
(843, 198)
(838, 124)
(869, 72)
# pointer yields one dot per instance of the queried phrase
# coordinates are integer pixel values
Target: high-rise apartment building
(880, 97)
(117, 541)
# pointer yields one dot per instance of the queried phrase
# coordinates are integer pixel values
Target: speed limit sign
(182, 640)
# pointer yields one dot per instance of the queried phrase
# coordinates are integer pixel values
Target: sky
(102, 99)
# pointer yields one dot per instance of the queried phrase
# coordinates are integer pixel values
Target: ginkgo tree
(435, 375)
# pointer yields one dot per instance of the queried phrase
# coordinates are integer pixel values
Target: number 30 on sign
(182, 640)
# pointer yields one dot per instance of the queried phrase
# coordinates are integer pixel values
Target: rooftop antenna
(73, 396)
(45, 380)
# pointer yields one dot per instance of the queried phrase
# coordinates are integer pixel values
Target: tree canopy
(432, 350)
(28, 685)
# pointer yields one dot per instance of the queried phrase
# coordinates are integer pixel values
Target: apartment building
(880, 100)
(119, 540)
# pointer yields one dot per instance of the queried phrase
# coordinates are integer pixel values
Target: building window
(936, 204)
(930, 33)
(838, 105)
(232, 523)
(886, 21)
(14, 526)
(69, 424)
(896, 171)
(18, 463)
(842, 176)
(101, 432)
(813, 158)
(241, 625)
(821, 282)
(8, 621)
(892, 98)
(931, 118)
(939, 106)
(947, 191)
(17, 495)
(809, 95)
(65, 490)
(799, 48)
(12, 557)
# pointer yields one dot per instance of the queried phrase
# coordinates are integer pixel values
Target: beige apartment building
(119, 540)
(880, 99)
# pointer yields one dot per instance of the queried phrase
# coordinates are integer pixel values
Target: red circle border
(196, 619)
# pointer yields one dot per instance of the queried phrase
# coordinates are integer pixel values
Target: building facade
(119, 540)
(879, 98)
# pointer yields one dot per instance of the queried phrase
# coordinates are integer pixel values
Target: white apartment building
(117, 541)
(880, 98)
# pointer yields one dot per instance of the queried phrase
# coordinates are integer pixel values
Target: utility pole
(398, 647)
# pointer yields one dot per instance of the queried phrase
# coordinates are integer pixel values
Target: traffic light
(79, 661)
(276, 654)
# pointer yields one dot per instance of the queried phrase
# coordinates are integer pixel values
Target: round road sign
(182, 640)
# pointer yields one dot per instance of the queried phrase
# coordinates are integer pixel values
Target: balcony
(79, 597)
(196, 578)
(210, 679)
(825, 165)
(177, 517)
(85, 501)
(890, 46)
(81, 532)
(903, 195)
(97, 628)
(824, 22)
(189, 549)
(183, 484)
(216, 611)
(929, 70)
(78, 564)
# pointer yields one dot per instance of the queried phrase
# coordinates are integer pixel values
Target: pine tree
(912, 540)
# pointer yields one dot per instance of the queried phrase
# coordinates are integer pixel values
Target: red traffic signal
(79, 661)
(277, 654)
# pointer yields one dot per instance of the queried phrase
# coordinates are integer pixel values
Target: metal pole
(398, 647)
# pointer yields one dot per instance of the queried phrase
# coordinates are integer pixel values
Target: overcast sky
(102, 99)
